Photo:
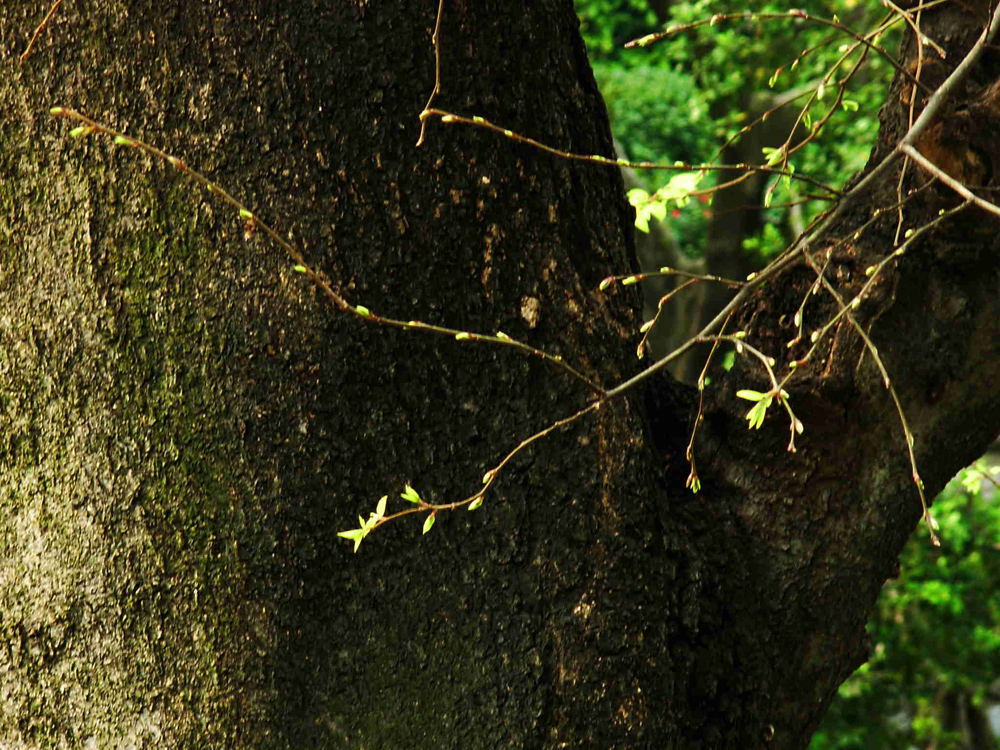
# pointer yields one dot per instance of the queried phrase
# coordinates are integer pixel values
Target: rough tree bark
(185, 423)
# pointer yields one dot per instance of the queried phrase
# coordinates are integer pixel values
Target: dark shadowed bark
(185, 423)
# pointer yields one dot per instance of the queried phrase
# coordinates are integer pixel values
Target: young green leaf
(680, 187)
(410, 495)
(637, 196)
(429, 523)
(475, 504)
(755, 417)
(355, 535)
(773, 155)
(658, 211)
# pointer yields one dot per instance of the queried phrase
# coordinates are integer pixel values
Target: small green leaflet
(773, 155)
(355, 535)
(677, 191)
(755, 417)
(358, 534)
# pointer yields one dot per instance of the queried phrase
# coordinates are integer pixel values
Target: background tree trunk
(185, 424)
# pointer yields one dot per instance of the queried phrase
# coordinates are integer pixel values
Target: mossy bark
(185, 423)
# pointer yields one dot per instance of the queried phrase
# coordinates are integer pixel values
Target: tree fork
(188, 424)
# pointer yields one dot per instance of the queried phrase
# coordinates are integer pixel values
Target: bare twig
(38, 31)
(421, 506)
(436, 43)
(481, 122)
(693, 481)
(948, 180)
(922, 38)
(798, 15)
(647, 327)
(315, 276)
(633, 278)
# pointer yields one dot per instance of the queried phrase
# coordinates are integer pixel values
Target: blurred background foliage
(933, 680)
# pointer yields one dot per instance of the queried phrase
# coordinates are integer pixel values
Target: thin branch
(922, 38)
(481, 122)
(961, 71)
(873, 273)
(491, 476)
(316, 277)
(436, 43)
(633, 278)
(38, 31)
(798, 15)
(693, 481)
(845, 309)
(647, 327)
(488, 479)
(950, 181)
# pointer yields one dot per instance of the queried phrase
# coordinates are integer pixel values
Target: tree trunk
(185, 423)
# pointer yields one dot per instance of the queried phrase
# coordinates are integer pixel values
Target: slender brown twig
(436, 44)
(38, 31)
(481, 122)
(948, 180)
(318, 278)
(798, 15)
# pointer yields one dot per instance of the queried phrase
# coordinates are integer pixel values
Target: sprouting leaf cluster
(761, 403)
(676, 192)
(377, 517)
